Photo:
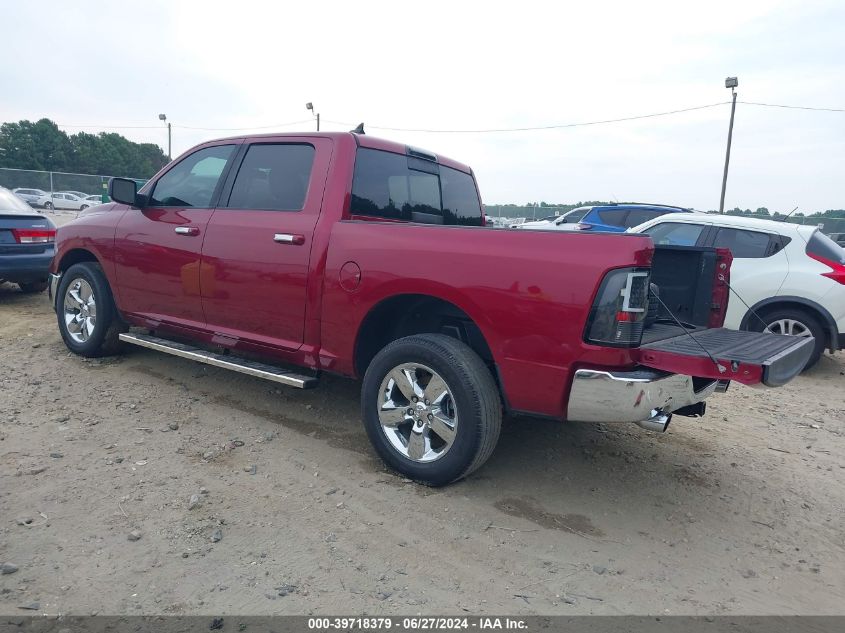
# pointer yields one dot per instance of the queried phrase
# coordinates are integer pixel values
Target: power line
(541, 127)
(235, 129)
(184, 127)
(475, 131)
(791, 107)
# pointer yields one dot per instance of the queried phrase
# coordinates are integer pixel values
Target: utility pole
(732, 83)
(163, 117)
(310, 106)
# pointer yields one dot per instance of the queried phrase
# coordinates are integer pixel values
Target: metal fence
(57, 181)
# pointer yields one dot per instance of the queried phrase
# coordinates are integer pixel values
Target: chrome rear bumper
(52, 286)
(631, 396)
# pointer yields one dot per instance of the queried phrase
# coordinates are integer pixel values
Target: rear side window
(675, 233)
(743, 244)
(393, 186)
(273, 177)
(191, 182)
(613, 217)
(824, 247)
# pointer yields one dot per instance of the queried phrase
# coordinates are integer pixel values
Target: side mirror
(123, 190)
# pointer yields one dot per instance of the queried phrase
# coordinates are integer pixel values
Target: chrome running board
(224, 361)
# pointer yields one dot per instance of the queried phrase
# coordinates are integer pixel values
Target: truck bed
(780, 357)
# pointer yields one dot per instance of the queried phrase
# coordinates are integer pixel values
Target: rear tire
(31, 287)
(793, 322)
(48, 205)
(452, 427)
(88, 319)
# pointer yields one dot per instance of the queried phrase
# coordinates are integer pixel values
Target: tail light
(617, 317)
(837, 272)
(34, 236)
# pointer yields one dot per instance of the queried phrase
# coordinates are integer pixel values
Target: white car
(35, 197)
(565, 222)
(792, 277)
(64, 200)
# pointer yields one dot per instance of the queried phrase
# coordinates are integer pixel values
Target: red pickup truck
(342, 253)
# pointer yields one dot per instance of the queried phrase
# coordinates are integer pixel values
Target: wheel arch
(406, 314)
(75, 256)
(772, 303)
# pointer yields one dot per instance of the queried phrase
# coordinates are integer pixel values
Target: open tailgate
(747, 357)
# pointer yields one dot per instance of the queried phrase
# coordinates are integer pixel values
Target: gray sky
(462, 65)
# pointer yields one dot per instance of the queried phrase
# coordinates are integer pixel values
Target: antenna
(790, 213)
(359, 129)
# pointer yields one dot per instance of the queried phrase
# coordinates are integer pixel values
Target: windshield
(573, 216)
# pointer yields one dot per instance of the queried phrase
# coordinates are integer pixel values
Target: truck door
(158, 248)
(257, 248)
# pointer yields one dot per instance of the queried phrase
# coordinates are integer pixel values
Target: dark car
(617, 218)
(27, 243)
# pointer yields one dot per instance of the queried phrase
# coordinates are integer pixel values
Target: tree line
(41, 145)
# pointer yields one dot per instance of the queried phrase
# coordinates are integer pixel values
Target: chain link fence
(58, 182)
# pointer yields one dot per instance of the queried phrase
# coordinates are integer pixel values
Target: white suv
(791, 277)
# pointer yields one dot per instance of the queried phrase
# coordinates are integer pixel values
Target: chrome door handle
(289, 238)
(186, 230)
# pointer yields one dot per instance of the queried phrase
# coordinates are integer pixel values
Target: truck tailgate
(748, 357)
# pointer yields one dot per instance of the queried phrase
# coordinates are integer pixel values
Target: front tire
(88, 319)
(48, 205)
(794, 322)
(431, 408)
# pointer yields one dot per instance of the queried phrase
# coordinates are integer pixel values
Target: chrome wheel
(417, 412)
(790, 327)
(80, 310)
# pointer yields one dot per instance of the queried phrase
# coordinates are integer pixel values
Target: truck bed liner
(780, 357)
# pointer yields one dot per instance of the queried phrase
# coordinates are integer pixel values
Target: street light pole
(732, 83)
(163, 117)
(310, 106)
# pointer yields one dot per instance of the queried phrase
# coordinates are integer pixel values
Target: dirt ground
(738, 512)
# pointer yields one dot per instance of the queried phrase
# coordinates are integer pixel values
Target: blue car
(618, 218)
(27, 243)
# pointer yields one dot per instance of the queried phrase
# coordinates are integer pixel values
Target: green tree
(43, 146)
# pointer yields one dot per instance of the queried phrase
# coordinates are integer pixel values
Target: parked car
(617, 218)
(34, 197)
(27, 243)
(787, 278)
(566, 221)
(64, 200)
(346, 254)
(94, 200)
(78, 194)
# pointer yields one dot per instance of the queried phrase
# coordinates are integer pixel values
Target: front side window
(191, 182)
(743, 244)
(394, 186)
(273, 177)
(675, 233)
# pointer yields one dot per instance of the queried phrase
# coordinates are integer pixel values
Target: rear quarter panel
(529, 292)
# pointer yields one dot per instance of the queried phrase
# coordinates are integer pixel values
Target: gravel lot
(738, 512)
